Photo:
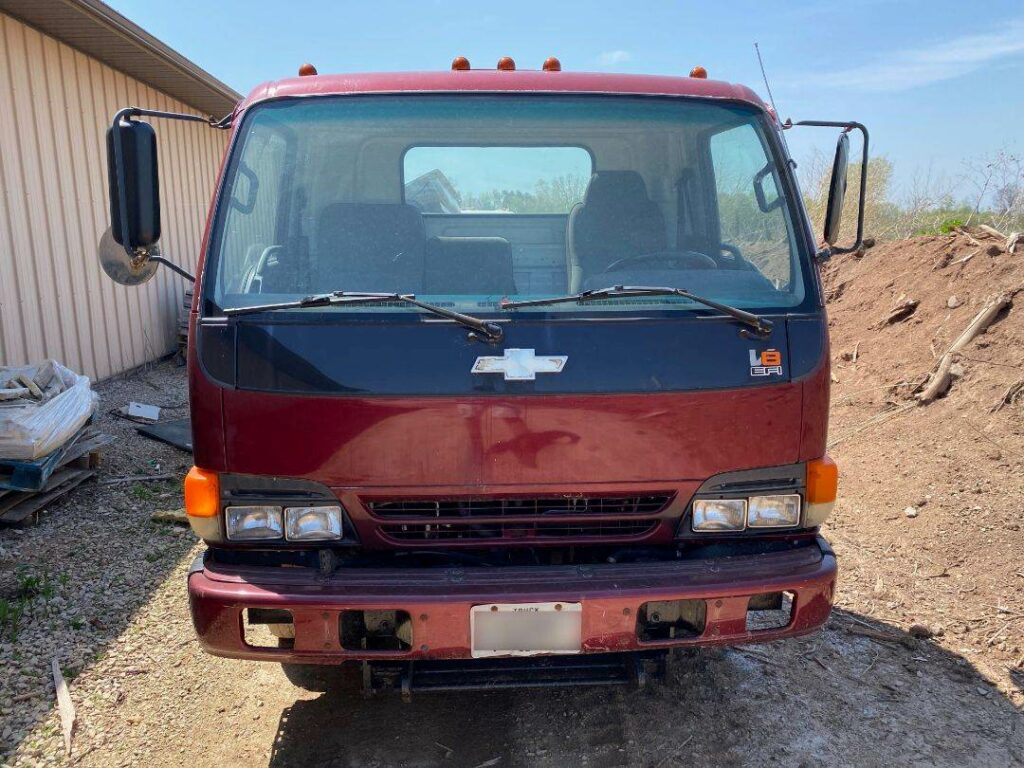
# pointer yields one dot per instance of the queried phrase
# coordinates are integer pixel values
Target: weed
(11, 612)
(142, 493)
(949, 225)
(28, 584)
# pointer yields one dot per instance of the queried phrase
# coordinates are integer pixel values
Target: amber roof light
(507, 64)
(699, 72)
(460, 64)
(307, 70)
(551, 64)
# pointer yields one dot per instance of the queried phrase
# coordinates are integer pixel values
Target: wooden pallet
(19, 507)
(77, 463)
(33, 475)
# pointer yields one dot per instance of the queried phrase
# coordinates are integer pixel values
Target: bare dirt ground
(922, 662)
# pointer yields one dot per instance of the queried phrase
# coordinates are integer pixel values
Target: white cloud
(924, 65)
(611, 58)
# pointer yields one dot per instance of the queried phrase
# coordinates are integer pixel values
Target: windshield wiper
(487, 330)
(761, 326)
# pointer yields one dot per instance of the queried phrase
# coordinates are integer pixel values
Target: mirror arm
(862, 202)
(173, 267)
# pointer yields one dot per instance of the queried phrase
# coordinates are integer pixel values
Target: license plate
(526, 629)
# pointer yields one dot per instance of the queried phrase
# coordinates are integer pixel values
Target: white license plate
(526, 629)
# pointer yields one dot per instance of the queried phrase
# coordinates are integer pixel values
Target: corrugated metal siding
(55, 300)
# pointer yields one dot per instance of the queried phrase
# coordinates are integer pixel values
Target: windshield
(466, 200)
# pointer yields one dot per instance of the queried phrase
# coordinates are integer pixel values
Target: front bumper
(439, 600)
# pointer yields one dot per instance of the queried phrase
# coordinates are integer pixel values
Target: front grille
(512, 531)
(454, 509)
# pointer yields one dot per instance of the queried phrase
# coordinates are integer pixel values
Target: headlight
(312, 523)
(251, 523)
(774, 511)
(719, 514)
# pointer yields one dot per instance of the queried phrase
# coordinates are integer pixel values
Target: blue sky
(937, 82)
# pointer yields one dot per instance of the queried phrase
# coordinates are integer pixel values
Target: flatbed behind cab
(500, 377)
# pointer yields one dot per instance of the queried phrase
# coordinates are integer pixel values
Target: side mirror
(134, 184)
(837, 190)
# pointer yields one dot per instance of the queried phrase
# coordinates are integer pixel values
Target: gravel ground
(105, 594)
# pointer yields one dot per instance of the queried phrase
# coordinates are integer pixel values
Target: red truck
(500, 377)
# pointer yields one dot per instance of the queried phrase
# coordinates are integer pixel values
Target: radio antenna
(771, 98)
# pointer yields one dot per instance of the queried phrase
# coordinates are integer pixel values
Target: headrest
(396, 219)
(615, 187)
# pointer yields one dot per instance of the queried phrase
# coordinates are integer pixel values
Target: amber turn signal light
(306, 70)
(202, 493)
(699, 72)
(822, 480)
(507, 64)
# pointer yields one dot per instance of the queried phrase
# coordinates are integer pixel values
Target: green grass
(142, 493)
(10, 616)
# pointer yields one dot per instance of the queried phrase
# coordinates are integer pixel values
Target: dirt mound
(897, 309)
(928, 524)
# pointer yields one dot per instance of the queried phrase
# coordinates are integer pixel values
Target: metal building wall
(55, 300)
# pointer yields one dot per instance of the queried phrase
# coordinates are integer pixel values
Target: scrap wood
(64, 704)
(137, 479)
(448, 751)
(17, 506)
(940, 379)
(1010, 396)
(26, 381)
(878, 635)
(170, 516)
(991, 231)
(13, 393)
(1013, 240)
(969, 236)
(901, 311)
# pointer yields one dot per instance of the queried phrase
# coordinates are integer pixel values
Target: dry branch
(138, 479)
(939, 381)
(969, 236)
(991, 231)
(901, 311)
(64, 705)
(876, 419)
(1010, 396)
(967, 258)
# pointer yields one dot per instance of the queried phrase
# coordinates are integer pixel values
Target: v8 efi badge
(765, 363)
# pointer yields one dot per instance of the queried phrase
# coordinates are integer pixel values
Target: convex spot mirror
(837, 190)
(122, 268)
(134, 184)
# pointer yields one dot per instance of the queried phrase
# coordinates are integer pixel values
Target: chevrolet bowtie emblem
(520, 364)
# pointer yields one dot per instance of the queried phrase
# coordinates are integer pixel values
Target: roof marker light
(551, 64)
(460, 64)
(507, 64)
(699, 72)
(306, 70)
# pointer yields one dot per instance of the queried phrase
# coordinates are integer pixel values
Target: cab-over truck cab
(487, 365)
